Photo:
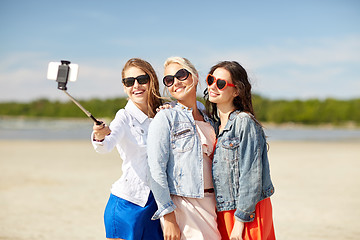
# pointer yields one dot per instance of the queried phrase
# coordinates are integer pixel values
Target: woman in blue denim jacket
(180, 143)
(241, 172)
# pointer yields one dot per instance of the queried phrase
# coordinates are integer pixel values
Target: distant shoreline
(266, 125)
(311, 112)
(72, 119)
(325, 126)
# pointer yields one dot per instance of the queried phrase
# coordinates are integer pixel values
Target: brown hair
(154, 98)
(243, 101)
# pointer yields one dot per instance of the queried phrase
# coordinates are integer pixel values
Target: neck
(191, 103)
(142, 106)
(224, 111)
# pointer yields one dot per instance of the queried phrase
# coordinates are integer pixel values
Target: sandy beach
(58, 189)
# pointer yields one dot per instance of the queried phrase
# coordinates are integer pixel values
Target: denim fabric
(241, 172)
(175, 157)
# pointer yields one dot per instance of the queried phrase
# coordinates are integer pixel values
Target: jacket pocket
(139, 134)
(229, 151)
(182, 136)
(230, 154)
(230, 143)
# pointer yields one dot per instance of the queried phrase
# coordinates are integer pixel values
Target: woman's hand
(165, 106)
(236, 233)
(101, 131)
(171, 228)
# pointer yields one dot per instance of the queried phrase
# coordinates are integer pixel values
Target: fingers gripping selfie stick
(62, 79)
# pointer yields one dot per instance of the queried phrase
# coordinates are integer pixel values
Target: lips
(179, 89)
(212, 94)
(138, 92)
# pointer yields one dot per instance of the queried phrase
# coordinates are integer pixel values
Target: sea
(80, 129)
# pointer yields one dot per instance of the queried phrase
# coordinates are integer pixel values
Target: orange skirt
(261, 228)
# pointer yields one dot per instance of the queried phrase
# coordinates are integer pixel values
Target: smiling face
(138, 93)
(180, 90)
(225, 96)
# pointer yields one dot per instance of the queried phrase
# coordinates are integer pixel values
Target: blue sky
(291, 49)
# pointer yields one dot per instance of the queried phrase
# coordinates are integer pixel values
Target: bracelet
(95, 140)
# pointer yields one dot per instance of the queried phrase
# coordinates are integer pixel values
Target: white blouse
(129, 131)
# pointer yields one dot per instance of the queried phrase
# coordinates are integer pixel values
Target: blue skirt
(129, 221)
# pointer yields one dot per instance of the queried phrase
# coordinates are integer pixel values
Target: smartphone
(53, 69)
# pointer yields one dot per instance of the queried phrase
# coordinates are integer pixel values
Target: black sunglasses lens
(128, 82)
(182, 74)
(168, 80)
(143, 79)
(210, 80)
(220, 84)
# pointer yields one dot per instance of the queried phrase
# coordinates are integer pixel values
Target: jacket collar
(233, 115)
(229, 124)
(200, 108)
(182, 107)
(135, 111)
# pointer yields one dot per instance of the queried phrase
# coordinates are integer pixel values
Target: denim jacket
(241, 171)
(175, 157)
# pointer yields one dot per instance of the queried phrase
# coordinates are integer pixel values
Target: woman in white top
(131, 204)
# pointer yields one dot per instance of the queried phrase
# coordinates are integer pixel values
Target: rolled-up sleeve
(250, 167)
(117, 127)
(158, 148)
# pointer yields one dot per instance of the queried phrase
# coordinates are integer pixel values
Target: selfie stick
(83, 109)
(62, 79)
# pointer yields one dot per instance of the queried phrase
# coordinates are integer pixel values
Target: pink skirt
(196, 217)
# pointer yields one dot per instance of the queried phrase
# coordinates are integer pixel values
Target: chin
(139, 99)
(182, 95)
(213, 100)
(177, 96)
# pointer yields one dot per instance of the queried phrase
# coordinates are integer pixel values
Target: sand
(58, 189)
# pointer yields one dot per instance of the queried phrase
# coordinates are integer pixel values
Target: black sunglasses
(182, 75)
(130, 81)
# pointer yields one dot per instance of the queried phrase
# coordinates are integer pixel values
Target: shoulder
(247, 120)
(166, 113)
(121, 117)
(162, 117)
(244, 117)
(121, 114)
(160, 126)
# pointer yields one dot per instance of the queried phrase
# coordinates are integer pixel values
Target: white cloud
(23, 77)
(301, 69)
(291, 69)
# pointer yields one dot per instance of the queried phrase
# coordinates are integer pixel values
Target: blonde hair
(186, 64)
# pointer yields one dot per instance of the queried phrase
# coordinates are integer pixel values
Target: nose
(176, 81)
(136, 83)
(212, 86)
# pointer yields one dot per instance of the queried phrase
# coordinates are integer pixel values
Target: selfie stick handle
(83, 109)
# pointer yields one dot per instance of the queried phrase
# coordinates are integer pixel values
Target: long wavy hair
(243, 101)
(154, 98)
